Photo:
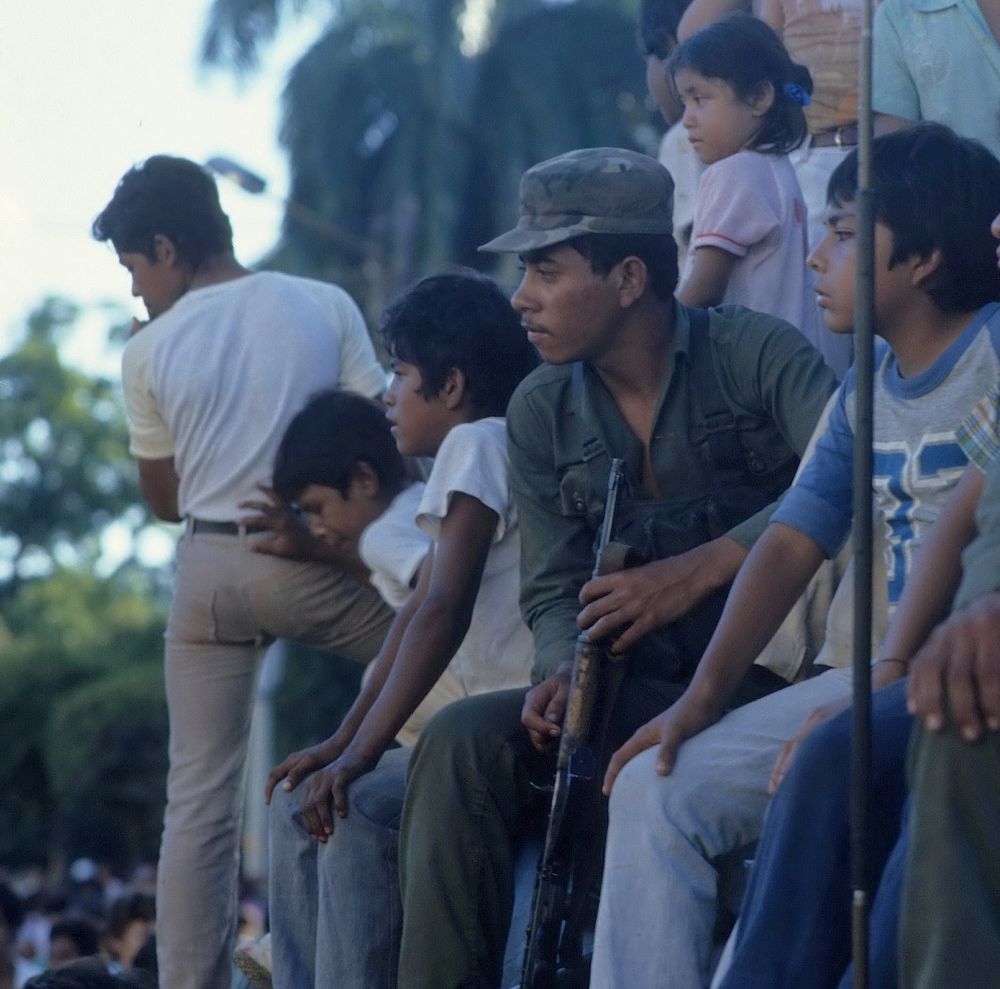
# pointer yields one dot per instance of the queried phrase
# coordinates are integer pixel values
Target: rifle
(553, 955)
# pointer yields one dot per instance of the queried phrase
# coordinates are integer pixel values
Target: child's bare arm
(296, 766)
(440, 623)
(430, 639)
(707, 277)
(924, 602)
(289, 537)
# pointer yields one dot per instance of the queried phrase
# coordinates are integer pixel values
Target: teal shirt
(563, 426)
(938, 60)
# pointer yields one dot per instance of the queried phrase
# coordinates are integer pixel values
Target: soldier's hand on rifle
(955, 677)
(640, 599)
(544, 707)
(683, 719)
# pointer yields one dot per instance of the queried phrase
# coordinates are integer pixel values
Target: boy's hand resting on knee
(544, 707)
(297, 766)
(683, 719)
(326, 791)
(955, 677)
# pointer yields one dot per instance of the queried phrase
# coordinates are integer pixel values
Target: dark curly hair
(329, 438)
(461, 320)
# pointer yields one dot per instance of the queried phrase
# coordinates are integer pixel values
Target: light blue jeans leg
(659, 893)
(335, 908)
(360, 910)
(293, 894)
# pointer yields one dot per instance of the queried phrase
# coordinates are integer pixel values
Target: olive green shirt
(563, 427)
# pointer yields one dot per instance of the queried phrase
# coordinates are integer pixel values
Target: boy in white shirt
(458, 351)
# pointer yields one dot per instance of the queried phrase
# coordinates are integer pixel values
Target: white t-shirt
(497, 650)
(393, 548)
(215, 380)
(750, 205)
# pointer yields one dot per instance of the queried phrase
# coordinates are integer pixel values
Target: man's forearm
(158, 485)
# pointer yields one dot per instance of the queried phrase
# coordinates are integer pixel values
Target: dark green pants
(469, 800)
(950, 926)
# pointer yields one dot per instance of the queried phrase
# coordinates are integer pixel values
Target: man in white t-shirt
(211, 383)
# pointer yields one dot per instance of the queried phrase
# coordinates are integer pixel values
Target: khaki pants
(229, 604)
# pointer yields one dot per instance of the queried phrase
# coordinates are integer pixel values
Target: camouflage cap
(590, 191)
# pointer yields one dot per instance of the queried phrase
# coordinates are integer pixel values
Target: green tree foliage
(84, 722)
(556, 79)
(316, 690)
(83, 743)
(65, 472)
(106, 748)
(406, 135)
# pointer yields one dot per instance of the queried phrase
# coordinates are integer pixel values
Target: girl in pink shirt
(743, 102)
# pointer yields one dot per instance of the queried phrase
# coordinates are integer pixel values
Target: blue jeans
(883, 924)
(335, 907)
(795, 927)
(667, 835)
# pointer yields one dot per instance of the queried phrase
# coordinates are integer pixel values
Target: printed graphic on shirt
(908, 484)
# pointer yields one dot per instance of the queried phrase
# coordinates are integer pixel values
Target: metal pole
(864, 366)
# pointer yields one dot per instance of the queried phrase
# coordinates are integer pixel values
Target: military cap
(590, 191)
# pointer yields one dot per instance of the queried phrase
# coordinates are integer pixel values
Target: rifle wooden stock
(581, 699)
(553, 945)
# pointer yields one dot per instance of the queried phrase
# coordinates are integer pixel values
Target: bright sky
(91, 87)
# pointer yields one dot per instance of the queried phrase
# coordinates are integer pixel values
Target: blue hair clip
(796, 93)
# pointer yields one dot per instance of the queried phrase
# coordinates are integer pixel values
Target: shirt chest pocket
(577, 498)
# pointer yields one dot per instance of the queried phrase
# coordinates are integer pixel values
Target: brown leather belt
(207, 527)
(837, 137)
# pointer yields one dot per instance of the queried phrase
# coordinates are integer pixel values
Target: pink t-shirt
(750, 205)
